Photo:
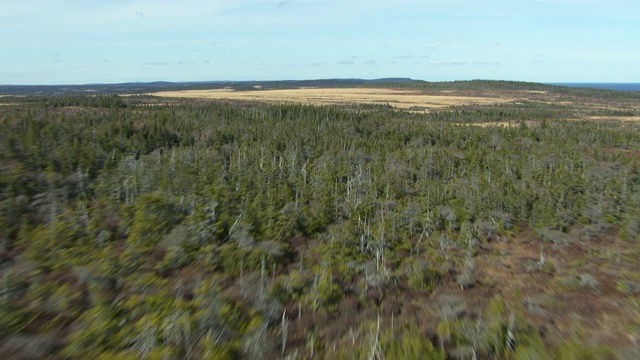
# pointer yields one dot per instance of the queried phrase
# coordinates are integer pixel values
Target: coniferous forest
(136, 228)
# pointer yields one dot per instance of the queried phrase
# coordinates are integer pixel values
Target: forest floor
(582, 290)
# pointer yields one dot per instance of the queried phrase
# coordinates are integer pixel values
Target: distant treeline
(97, 101)
(139, 87)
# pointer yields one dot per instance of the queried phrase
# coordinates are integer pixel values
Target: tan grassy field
(414, 100)
(619, 119)
(623, 119)
(398, 98)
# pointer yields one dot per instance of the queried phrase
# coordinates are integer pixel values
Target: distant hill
(604, 86)
(406, 83)
(142, 87)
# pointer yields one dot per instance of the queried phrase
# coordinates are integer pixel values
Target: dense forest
(209, 230)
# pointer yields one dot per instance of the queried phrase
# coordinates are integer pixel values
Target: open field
(618, 118)
(576, 106)
(398, 98)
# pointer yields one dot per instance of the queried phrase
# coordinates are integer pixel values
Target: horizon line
(407, 79)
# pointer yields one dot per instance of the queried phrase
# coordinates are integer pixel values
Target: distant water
(606, 86)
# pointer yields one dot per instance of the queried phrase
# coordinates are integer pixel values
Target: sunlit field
(401, 99)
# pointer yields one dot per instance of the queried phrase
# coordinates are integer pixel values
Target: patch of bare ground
(500, 123)
(586, 288)
(570, 291)
(624, 119)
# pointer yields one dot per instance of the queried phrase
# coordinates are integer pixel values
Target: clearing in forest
(398, 98)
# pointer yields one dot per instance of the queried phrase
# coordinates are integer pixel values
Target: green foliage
(501, 332)
(65, 236)
(574, 351)
(96, 101)
(407, 343)
(97, 330)
(422, 277)
(324, 293)
(154, 216)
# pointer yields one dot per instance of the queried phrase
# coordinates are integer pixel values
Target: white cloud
(451, 62)
(484, 63)
(462, 62)
(405, 56)
(156, 63)
(111, 16)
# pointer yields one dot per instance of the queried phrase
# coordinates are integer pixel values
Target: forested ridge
(210, 230)
(150, 87)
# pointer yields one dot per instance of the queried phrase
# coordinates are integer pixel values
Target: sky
(115, 41)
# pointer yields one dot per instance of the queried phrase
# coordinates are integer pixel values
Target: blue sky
(112, 41)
